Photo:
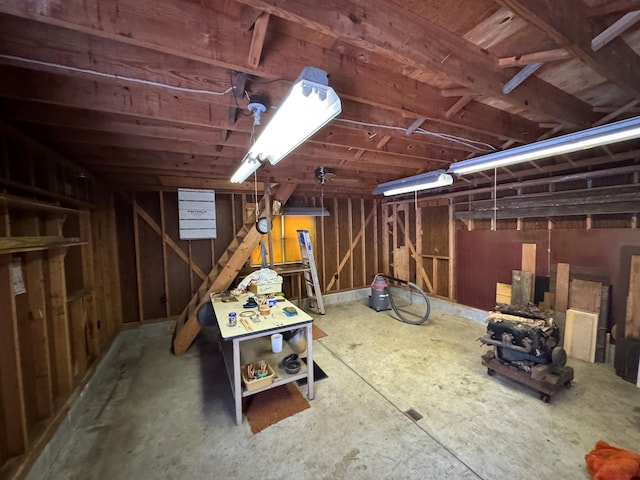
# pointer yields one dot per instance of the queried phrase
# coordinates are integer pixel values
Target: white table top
(275, 319)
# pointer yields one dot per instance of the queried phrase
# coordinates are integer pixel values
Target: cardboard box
(264, 288)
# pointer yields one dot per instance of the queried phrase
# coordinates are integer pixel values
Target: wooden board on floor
(562, 286)
(580, 335)
(632, 320)
(521, 287)
(503, 293)
(585, 295)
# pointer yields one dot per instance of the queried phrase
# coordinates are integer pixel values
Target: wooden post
(60, 321)
(88, 275)
(351, 246)
(39, 335)
(452, 251)
(419, 257)
(364, 244)
(13, 415)
(77, 317)
(386, 252)
(136, 241)
(167, 296)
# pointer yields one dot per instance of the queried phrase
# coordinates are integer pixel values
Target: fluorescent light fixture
(246, 168)
(310, 104)
(306, 211)
(573, 142)
(437, 178)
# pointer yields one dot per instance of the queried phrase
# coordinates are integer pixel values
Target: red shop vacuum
(379, 299)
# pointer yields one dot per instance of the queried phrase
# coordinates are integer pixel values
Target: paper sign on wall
(16, 278)
(196, 213)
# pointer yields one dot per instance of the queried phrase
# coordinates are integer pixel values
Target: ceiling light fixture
(306, 211)
(434, 179)
(573, 142)
(309, 105)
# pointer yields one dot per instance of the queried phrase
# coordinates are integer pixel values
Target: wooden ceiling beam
(569, 26)
(180, 31)
(424, 46)
(34, 114)
(616, 6)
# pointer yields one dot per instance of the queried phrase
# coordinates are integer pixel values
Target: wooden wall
(486, 257)
(59, 294)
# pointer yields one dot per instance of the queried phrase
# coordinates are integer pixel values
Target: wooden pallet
(548, 385)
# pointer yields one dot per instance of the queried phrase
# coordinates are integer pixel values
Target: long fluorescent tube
(434, 179)
(309, 105)
(246, 168)
(585, 139)
(306, 211)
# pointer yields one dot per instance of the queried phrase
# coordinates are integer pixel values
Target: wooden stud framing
(165, 270)
(11, 387)
(136, 241)
(39, 335)
(88, 276)
(452, 252)
(59, 321)
(364, 244)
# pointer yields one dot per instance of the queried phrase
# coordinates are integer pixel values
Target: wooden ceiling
(152, 94)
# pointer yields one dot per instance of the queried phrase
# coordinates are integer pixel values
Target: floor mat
(266, 408)
(318, 332)
(318, 374)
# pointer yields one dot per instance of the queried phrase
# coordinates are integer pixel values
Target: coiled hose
(418, 290)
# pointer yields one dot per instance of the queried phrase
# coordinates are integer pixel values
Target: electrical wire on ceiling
(474, 144)
(444, 136)
(116, 76)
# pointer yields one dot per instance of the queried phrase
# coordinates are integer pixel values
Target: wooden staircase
(223, 273)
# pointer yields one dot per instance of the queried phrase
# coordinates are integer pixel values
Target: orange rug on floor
(266, 408)
(317, 332)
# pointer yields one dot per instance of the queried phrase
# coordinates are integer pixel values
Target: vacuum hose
(418, 290)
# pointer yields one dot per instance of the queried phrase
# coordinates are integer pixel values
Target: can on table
(272, 302)
(232, 319)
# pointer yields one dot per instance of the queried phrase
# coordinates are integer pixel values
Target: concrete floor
(154, 416)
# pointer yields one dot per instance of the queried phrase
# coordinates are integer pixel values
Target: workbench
(249, 341)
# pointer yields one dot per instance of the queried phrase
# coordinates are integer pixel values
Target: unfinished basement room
(352, 239)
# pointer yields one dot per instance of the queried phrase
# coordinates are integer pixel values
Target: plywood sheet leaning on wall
(503, 293)
(562, 286)
(585, 295)
(521, 287)
(580, 335)
(632, 320)
(529, 264)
